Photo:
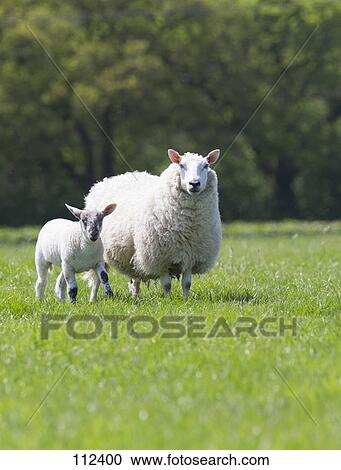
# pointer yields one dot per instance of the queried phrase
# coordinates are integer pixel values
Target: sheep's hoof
(109, 294)
(134, 287)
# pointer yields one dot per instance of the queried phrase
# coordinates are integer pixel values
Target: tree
(146, 75)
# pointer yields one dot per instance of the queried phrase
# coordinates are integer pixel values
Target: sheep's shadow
(240, 296)
(228, 296)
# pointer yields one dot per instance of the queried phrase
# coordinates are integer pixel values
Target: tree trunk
(284, 177)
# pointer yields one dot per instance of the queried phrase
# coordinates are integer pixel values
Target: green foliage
(159, 74)
(181, 393)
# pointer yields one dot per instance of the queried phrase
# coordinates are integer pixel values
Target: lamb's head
(193, 169)
(91, 221)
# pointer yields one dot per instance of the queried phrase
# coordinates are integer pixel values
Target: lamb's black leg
(105, 281)
(71, 283)
(73, 294)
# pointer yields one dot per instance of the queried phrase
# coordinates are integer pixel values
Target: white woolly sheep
(165, 226)
(76, 247)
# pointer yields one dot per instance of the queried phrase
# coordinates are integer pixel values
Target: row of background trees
(164, 73)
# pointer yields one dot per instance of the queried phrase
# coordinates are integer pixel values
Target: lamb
(165, 226)
(76, 247)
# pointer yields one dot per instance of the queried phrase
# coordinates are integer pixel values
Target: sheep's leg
(104, 278)
(60, 287)
(134, 286)
(166, 282)
(69, 275)
(42, 268)
(186, 282)
(94, 283)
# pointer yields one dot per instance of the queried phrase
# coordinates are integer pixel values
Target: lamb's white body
(158, 229)
(61, 240)
(62, 243)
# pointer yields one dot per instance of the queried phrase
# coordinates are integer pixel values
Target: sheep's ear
(174, 156)
(213, 156)
(74, 211)
(109, 209)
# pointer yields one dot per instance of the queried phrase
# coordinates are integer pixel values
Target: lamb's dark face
(91, 221)
(91, 224)
(193, 169)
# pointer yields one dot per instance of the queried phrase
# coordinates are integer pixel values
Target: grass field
(233, 392)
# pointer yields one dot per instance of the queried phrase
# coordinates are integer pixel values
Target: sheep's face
(91, 221)
(91, 225)
(193, 169)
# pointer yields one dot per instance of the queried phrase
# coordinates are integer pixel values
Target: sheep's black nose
(93, 236)
(194, 185)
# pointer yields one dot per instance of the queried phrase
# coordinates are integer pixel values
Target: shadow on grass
(148, 297)
(240, 296)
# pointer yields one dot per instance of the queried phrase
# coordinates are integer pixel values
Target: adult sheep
(164, 226)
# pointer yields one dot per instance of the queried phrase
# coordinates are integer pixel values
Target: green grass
(190, 392)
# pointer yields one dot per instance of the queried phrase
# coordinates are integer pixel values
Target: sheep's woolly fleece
(157, 227)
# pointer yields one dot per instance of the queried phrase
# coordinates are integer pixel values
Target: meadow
(235, 392)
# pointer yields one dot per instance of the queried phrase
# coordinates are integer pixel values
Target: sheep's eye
(182, 166)
(206, 165)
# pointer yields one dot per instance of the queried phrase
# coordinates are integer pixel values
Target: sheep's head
(194, 169)
(91, 221)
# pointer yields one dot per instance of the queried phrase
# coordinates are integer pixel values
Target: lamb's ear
(74, 211)
(174, 156)
(213, 156)
(109, 209)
